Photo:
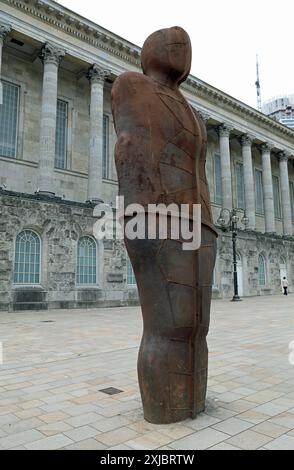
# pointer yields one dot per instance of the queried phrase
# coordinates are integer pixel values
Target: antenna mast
(257, 84)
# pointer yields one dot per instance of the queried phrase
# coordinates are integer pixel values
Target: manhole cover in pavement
(111, 391)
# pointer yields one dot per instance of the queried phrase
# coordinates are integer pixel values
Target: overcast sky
(226, 35)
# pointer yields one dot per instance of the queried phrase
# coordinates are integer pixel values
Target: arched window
(87, 262)
(131, 280)
(27, 262)
(261, 270)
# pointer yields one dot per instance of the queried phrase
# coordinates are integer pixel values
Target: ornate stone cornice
(97, 74)
(69, 22)
(204, 116)
(225, 129)
(4, 31)
(267, 147)
(246, 140)
(217, 97)
(51, 53)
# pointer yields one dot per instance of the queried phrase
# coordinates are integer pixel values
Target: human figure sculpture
(160, 159)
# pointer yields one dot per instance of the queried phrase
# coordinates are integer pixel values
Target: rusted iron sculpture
(160, 159)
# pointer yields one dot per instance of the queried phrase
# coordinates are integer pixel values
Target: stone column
(225, 154)
(97, 76)
(285, 193)
(268, 197)
(4, 31)
(51, 57)
(246, 142)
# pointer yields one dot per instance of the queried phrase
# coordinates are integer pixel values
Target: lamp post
(232, 225)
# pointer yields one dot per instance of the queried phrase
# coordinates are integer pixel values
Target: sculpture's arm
(205, 194)
(131, 116)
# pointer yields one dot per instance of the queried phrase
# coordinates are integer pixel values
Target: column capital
(98, 74)
(51, 53)
(267, 147)
(204, 116)
(225, 129)
(4, 31)
(246, 140)
(283, 156)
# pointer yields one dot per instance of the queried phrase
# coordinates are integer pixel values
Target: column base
(41, 192)
(95, 201)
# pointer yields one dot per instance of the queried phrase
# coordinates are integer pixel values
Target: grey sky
(225, 35)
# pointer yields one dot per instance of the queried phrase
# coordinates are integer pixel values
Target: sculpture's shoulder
(130, 82)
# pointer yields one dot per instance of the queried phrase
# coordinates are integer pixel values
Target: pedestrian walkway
(56, 364)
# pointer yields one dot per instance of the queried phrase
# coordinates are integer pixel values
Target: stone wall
(59, 225)
(275, 249)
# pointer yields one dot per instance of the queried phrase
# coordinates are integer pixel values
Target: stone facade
(49, 52)
(275, 250)
(59, 224)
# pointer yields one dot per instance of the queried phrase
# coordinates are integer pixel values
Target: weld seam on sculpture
(160, 159)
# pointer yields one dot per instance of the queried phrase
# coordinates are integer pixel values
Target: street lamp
(232, 225)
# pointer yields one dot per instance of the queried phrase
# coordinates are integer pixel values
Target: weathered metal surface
(160, 158)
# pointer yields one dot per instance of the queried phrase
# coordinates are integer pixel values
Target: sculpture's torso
(174, 171)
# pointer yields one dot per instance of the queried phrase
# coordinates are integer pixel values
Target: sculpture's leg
(172, 363)
(207, 255)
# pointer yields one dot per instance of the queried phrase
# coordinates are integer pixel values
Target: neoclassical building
(56, 161)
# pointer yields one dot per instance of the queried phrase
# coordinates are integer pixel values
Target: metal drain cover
(111, 391)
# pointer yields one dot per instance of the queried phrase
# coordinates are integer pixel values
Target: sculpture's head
(166, 55)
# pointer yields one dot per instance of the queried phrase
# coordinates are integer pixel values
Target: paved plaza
(56, 363)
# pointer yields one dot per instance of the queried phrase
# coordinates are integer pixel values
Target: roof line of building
(46, 199)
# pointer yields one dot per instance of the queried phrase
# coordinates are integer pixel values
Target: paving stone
(50, 443)
(87, 444)
(31, 404)
(249, 440)
(150, 440)
(82, 433)
(176, 432)
(53, 417)
(202, 421)
(253, 416)
(21, 425)
(123, 447)
(83, 419)
(232, 426)
(8, 419)
(220, 412)
(109, 424)
(30, 413)
(284, 419)
(270, 429)
(117, 436)
(51, 429)
(200, 440)
(224, 446)
(20, 438)
(284, 442)
(264, 396)
(270, 409)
